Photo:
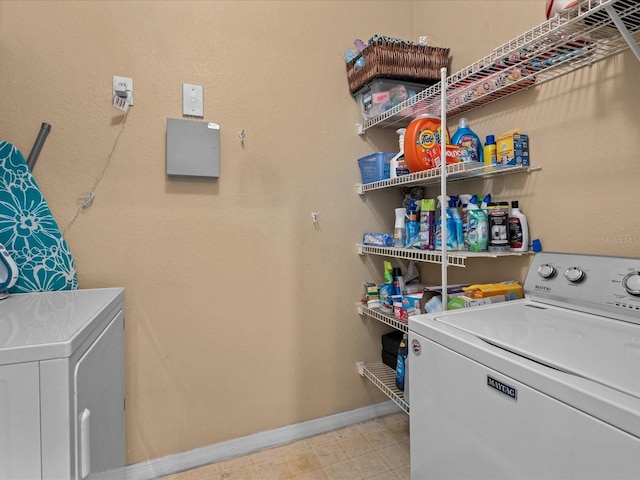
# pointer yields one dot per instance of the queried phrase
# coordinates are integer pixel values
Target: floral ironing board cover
(28, 230)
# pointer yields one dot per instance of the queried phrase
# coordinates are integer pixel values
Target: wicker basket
(382, 59)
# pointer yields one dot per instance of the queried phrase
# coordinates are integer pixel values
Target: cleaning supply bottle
(440, 221)
(490, 151)
(518, 229)
(477, 227)
(427, 224)
(498, 213)
(397, 164)
(458, 239)
(412, 226)
(399, 233)
(447, 223)
(398, 282)
(402, 362)
(386, 290)
(465, 137)
(464, 201)
(485, 202)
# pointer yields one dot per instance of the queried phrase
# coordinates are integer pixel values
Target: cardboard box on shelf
(510, 290)
(513, 149)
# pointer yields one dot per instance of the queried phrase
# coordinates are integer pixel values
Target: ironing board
(28, 230)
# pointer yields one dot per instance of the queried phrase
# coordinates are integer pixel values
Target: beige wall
(240, 311)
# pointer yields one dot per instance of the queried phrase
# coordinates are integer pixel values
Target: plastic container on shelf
(375, 167)
(380, 95)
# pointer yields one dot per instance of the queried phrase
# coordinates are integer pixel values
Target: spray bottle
(397, 162)
(485, 202)
(477, 226)
(399, 233)
(439, 221)
(412, 226)
(464, 201)
(449, 224)
(453, 211)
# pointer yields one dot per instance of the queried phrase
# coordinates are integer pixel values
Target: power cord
(89, 198)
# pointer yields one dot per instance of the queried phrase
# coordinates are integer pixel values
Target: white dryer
(61, 384)
(547, 387)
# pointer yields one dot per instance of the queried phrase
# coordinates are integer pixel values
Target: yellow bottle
(490, 151)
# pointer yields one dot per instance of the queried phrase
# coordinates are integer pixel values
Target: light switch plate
(192, 100)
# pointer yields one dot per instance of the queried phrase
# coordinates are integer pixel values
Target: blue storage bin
(375, 167)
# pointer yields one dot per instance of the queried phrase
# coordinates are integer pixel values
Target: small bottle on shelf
(518, 229)
(402, 362)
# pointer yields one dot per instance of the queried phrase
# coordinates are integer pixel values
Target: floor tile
(377, 449)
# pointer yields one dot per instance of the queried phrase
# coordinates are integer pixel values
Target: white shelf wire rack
(455, 258)
(382, 316)
(384, 378)
(571, 40)
(455, 172)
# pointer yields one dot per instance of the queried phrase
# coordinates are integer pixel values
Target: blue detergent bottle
(465, 137)
(457, 225)
(401, 365)
(412, 225)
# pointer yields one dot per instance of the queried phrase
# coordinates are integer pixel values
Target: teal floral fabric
(28, 230)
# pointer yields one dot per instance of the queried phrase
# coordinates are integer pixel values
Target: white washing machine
(61, 384)
(547, 387)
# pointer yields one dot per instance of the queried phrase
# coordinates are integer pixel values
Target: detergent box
(513, 149)
(431, 300)
(462, 301)
(411, 305)
(509, 290)
(380, 95)
(485, 294)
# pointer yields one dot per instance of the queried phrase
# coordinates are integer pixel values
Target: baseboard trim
(198, 457)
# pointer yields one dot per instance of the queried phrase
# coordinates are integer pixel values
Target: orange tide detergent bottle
(422, 144)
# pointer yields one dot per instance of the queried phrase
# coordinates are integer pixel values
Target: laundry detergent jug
(422, 144)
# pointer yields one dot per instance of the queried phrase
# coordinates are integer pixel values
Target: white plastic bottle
(400, 232)
(464, 201)
(518, 229)
(398, 160)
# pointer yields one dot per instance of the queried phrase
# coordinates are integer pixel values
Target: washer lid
(596, 348)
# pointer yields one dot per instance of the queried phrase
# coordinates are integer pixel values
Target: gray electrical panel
(193, 148)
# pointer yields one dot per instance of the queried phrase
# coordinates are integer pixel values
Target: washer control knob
(574, 275)
(631, 283)
(546, 271)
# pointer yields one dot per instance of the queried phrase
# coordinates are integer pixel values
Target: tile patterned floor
(373, 450)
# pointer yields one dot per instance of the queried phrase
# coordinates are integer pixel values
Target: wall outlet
(123, 88)
(192, 100)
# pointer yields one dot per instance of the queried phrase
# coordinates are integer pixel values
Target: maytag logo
(542, 288)
(502, 388)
